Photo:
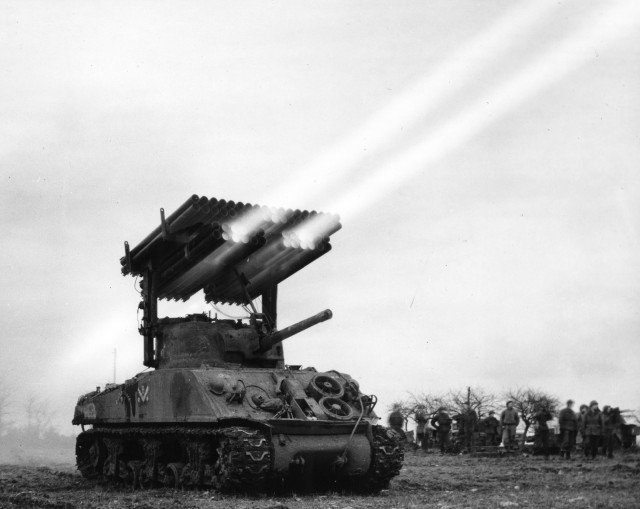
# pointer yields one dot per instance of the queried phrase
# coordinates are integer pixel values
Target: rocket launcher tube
(274, 338)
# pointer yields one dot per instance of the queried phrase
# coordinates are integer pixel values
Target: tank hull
(216, 427)
(205, 396)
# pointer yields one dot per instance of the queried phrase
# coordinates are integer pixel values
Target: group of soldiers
(595, 428)
(468, 424)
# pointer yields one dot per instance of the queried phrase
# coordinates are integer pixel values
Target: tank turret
(197, 340)
(220, 408)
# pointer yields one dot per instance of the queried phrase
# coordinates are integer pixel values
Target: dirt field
(426, 481)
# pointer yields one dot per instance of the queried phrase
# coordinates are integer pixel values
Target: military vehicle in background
(629, 429)
(220, 408)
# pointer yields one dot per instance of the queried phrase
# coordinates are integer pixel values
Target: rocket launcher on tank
(220, 408)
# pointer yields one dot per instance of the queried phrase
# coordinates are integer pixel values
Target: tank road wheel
(244, 461)
(336, 409)
(127, 472)
(90, 455)
(387, 458)
(172, 475)
(130, 473)
(323, 386)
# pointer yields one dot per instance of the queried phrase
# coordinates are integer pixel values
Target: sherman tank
(218, 406)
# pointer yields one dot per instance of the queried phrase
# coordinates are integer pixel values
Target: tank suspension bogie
(148, 473)
(199, 453)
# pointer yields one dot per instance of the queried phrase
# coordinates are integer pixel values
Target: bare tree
(5, 404)
(477, 398)
(527, 401)
(428, 404)
(39, 416)
(455, 401)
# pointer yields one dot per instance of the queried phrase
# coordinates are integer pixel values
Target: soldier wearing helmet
(611, 420)
(568, 422)
(592, 425)
(442, 423)
(492, 428)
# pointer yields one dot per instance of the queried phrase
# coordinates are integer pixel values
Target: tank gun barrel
(276, 337)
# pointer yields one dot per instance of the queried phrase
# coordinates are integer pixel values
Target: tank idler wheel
(172, 475)
(336, 409)
(324, 386)
(90, 455)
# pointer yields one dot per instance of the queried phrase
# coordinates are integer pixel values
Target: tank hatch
(233, 251)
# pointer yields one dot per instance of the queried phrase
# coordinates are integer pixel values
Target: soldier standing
(611, 421)
(492, 428)
(583, 442)
(442, 423)
(592, 429)
(568, 421)
(422, 438)
(509, 420)
(541, 417)
(470, 425)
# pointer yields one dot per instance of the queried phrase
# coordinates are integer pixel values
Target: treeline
(526, 401)
(25, 417)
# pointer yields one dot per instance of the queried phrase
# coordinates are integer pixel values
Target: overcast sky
(484, 157)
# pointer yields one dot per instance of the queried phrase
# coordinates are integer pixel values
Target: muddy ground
(425, 481)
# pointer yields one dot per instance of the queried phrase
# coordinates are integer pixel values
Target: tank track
(388, 455)
(229, 459)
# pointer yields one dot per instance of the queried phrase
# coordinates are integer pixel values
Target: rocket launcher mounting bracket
(181, 238)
